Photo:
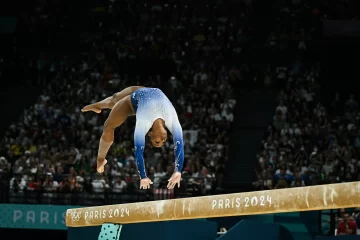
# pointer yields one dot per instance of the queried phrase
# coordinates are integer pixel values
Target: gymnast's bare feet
(92, 107)
(100, 164)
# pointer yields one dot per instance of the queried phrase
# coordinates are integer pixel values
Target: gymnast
(154, 112)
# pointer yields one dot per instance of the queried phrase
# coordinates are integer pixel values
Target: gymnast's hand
(145, 183)
(92, 107)
(175, 179)
(100, 164)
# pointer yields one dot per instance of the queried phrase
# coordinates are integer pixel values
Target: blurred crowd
(52, 149)
(338, 9)
(308, 142)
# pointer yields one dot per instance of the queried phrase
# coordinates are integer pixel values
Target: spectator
(283, 178)
(346, 226)
(119, 184)
(265, 182)
(356, 217)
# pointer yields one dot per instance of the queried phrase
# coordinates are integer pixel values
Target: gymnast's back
(150, 104)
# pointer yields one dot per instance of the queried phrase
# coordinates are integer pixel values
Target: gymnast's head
(158, 134)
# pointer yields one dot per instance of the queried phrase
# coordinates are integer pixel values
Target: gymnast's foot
(95, 107)
(100, 164)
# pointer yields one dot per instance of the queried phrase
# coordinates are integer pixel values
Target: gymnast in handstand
(154, 112)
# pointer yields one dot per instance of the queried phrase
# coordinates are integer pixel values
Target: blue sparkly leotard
(150, 104)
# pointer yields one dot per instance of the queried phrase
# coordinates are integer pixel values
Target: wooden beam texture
(342, 195)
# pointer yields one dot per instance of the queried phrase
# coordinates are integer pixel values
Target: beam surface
(332, 196)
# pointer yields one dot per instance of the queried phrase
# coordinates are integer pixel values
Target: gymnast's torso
(150, 104)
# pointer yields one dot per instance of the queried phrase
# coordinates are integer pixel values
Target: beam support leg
(110, 231)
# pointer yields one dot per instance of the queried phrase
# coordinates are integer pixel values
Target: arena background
(335, 49)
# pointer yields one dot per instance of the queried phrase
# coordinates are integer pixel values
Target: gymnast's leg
(109, 102)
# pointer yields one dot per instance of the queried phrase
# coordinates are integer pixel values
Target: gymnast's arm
(139, 143)
(177, 133)
(109, 102)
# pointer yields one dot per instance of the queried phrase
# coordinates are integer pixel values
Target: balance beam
(332, 196)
